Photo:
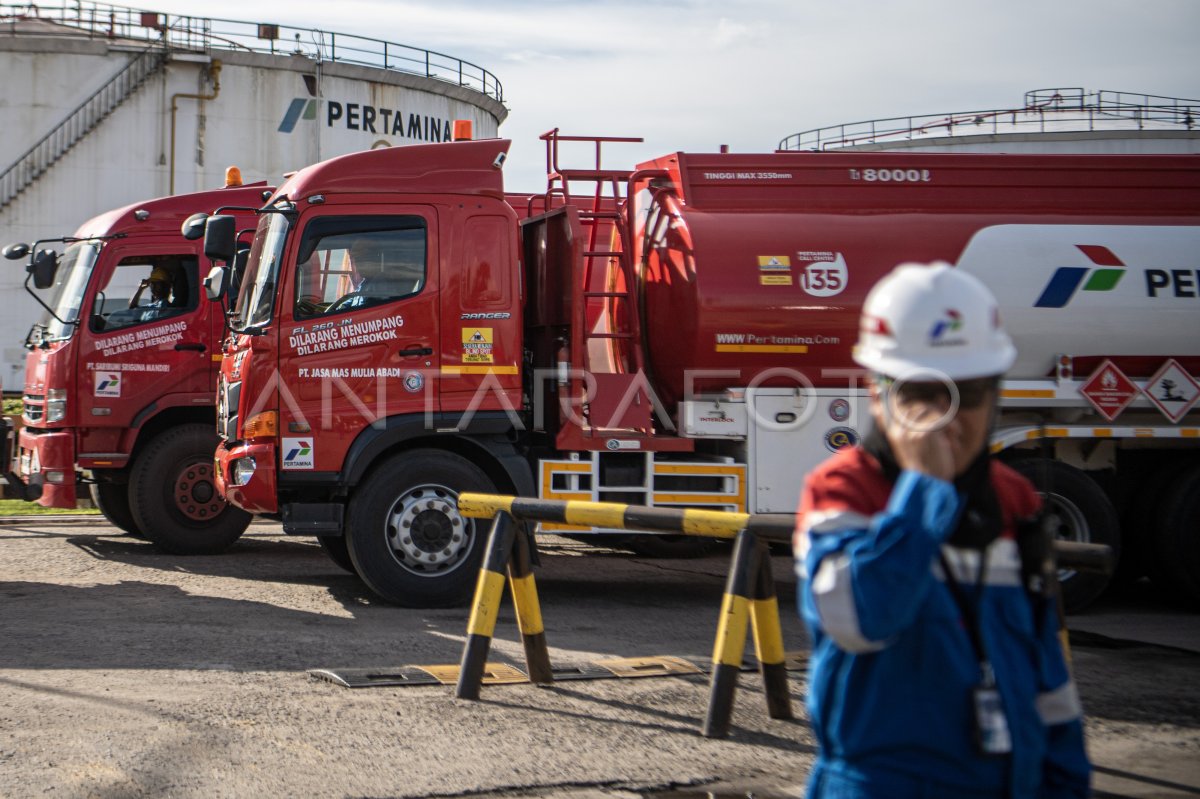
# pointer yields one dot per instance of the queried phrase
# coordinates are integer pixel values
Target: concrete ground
(127, 672)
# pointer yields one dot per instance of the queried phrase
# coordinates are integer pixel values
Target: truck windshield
(257, 298)
(66, 295)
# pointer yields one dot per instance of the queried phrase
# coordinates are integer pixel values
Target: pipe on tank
(215, 71)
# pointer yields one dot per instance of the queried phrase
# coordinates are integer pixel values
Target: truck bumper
(44, 468)
(258, 494)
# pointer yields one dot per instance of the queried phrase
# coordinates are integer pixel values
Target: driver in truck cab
(936, 668)
(159, 284)
(375, 267)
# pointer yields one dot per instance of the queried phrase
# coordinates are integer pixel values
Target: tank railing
(94, 20)
(1046, 109)
(78, 123)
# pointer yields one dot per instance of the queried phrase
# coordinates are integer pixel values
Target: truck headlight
(243, 470)
(56, 405)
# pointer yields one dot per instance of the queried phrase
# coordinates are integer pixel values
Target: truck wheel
(174, 499)
(1085, 515)
(335, 547)
(1175, 564)
(669, 546)
(406, 538)
(112, 500)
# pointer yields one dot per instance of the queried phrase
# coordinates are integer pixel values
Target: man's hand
(923, 439)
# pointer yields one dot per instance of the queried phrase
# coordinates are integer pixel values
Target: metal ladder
(598, 214)
(90, 113)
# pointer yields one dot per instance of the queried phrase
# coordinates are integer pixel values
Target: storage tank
(106, 105)
(1062, 120)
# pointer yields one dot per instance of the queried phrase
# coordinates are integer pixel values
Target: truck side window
(347, 263)
(144, 289)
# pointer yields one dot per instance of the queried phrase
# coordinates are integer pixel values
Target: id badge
(991, 727)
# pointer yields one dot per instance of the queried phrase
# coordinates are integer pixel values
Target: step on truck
(121, 373)
(679, 334)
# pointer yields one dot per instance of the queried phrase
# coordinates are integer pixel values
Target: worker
(159, 284)
(936, 668)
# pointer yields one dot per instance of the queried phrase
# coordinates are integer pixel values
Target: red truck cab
(120, 376)
(381, 294)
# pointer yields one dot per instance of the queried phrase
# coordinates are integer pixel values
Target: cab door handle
(415, 352)
(190, 345)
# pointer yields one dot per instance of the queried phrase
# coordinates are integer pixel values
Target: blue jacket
(893, 668)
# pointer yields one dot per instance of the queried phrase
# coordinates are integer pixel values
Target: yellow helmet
(161, 274)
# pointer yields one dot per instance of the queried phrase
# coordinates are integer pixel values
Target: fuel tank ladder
(79, 123)
(600, 215)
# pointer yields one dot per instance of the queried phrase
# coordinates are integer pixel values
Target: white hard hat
(930, 321)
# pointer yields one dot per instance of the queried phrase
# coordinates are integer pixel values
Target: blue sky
(695, 74)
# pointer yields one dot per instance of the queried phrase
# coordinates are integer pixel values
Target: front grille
(35, 407)
(228, 395)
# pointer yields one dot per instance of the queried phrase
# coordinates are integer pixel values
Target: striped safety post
(529, 610)
(486, 606)
(768, 640)
(730, 642)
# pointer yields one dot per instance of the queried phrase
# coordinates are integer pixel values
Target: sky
(696, 74)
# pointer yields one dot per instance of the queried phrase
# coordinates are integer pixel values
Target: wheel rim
(426, 534)
(1071, 524)
(195, 494)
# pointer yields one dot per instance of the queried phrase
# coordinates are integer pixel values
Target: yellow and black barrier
(749, 602)
(506, 549)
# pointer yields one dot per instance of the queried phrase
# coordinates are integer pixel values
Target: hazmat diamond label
(1172, 390)
(1109, 390)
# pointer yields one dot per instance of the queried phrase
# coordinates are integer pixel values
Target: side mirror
(43, 266)
(215, 283)
(15, 252)
(220, 238)
(193, 226)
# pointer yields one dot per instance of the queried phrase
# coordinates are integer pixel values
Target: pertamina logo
(297, 453)
(108, 384)
(300, 108)
(941, 334)
(1066, 280)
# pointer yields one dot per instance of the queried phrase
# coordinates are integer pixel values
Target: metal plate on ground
(665, 666)
(504, 674)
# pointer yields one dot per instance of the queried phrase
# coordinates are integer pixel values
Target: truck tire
(335, 547)
(417, 491)
(1175, 561)
(173, 497)
(112, 500)
(1085, 515)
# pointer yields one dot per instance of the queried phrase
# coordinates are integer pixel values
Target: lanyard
(970, 612)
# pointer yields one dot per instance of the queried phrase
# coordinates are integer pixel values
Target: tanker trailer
(751, 271)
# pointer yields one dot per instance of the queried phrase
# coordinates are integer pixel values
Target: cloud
(729, 32)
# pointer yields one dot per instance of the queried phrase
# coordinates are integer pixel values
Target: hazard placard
(1172, 390)
(1109, 390)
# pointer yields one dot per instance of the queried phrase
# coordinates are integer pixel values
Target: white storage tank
(1064, 120)
(106, 106)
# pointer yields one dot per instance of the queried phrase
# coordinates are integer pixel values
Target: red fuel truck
(680, 334)
(120, 375)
